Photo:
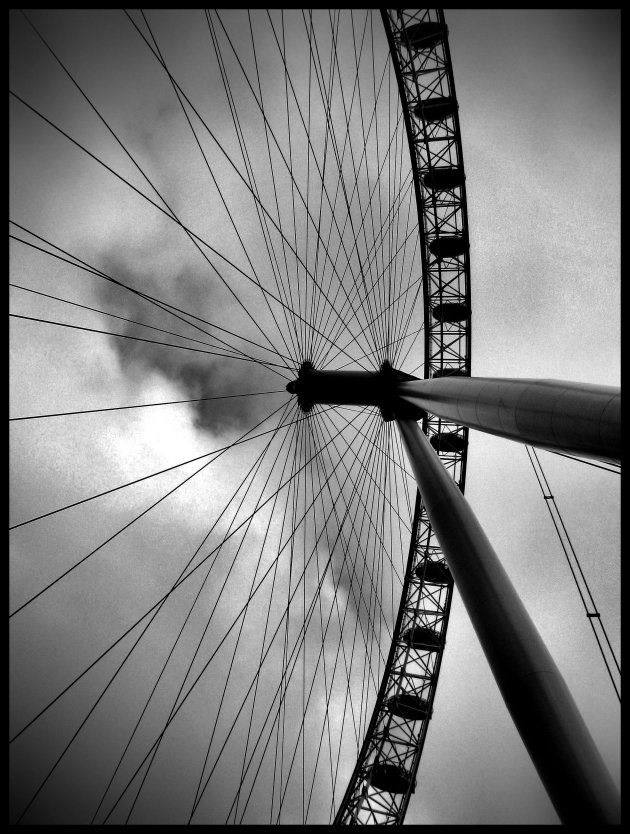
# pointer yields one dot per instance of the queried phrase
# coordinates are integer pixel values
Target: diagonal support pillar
(573, 417)
(541, 706)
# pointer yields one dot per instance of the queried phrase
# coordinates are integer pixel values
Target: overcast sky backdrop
(538, 93)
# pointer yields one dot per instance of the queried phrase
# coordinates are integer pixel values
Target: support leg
(541, 706)
(573, 417)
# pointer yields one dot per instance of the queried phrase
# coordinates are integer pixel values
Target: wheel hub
(362, 388)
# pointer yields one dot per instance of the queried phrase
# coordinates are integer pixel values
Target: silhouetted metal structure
(385, 773)
(569, 416)
(542, 708)
(578, 419)
(574, 417)
(447, 543)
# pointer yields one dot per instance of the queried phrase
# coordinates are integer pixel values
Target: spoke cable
(171, 213)
(340, 182)
(173, 588)
(112, 315)
(259, 668)
(350, 695)
(146, 405)
(240, 175)
(150, 341)
(375, 482)
(261, 216)
(288, 166)
(295, 651)
(179, 582)
(242, 439)
(252, 469)
(163, 211)
(216, 603)
(145, 511)
(100, 697)
(165, 306)
(209, 167)
(237, 617)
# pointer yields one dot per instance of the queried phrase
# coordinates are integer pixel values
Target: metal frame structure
(393, 745)
(577, 418)
(385, 773)
(574, 417)
(446, 402)
(535, 693)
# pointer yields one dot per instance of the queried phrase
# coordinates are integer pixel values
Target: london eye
(229, 603)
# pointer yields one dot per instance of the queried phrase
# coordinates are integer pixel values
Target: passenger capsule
(434, 573)
(390, 777)
(450, 312)
(424, 35)
(441, 372)
(421, 637)
(443, 179)
(448, 246)
(435, 109)
(407, 706)
(448, 442)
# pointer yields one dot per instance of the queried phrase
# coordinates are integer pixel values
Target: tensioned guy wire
(593, 615)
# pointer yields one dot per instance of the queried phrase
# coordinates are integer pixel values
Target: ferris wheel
(241, 274)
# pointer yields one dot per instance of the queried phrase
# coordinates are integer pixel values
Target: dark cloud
(198, 374)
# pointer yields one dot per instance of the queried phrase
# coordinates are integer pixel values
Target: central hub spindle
(375, 388)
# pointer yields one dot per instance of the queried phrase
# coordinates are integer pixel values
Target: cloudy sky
(539, 112)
